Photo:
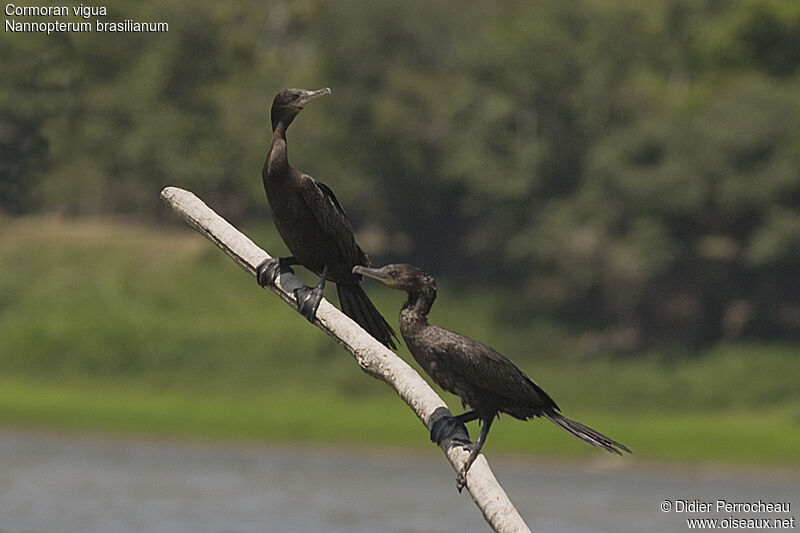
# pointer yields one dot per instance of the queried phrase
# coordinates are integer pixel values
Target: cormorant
(314, 226)
(485, 380)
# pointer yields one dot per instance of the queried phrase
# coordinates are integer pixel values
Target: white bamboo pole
(374, 358)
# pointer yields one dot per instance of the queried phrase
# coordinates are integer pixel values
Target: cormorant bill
(484, 379)
(314, 226)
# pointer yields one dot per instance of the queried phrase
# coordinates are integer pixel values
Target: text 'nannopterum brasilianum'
(314, 226)
(484, 379)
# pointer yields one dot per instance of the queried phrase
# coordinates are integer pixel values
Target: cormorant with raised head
(314, 226)
(484, 379)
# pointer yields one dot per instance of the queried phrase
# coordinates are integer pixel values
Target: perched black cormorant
(314, 226)
(484, 379)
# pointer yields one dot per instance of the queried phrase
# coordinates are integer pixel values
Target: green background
(607, 192)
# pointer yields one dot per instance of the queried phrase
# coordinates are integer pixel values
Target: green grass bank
(117, 326)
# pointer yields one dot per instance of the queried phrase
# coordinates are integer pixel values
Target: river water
(90, 484)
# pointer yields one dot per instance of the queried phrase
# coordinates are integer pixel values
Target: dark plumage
(314, 226)
(484, 379)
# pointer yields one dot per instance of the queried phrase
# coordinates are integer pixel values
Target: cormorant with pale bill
(314, 226)
(485, 380)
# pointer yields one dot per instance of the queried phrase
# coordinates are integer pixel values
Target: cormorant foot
(470, 447)
(448, 429)
(461, 480)
(308, 300)
(269, 271)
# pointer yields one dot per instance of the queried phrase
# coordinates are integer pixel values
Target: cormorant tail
(357, 305)
(586, 434)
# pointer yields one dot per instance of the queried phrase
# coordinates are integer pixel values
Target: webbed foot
(461, 479)
(269, 271)
(448, 428)
(308, 300)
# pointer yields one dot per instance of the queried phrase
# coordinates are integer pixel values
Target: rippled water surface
(57, 483)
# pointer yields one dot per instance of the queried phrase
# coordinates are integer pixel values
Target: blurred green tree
(630, 167)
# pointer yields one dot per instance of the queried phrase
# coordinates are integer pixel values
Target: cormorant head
(402, 277)
(289, 102)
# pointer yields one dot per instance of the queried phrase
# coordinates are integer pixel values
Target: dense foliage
(633, 167)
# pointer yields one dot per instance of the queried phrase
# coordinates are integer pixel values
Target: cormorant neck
(279, 128)
(413, 318)
(414, 315)
(277, 159)
(420, 301)
(282, 118)
(277, 162)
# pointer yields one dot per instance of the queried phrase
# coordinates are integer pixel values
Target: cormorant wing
(484, 368)
(332, 219)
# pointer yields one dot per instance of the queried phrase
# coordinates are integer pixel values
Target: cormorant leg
(445, 426)
(474, 450)
(308, 299)
(268, 271)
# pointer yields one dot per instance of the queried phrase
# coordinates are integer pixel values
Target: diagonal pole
(373, 358)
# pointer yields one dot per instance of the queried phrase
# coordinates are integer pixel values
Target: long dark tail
(586, 434)
(357, 305)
